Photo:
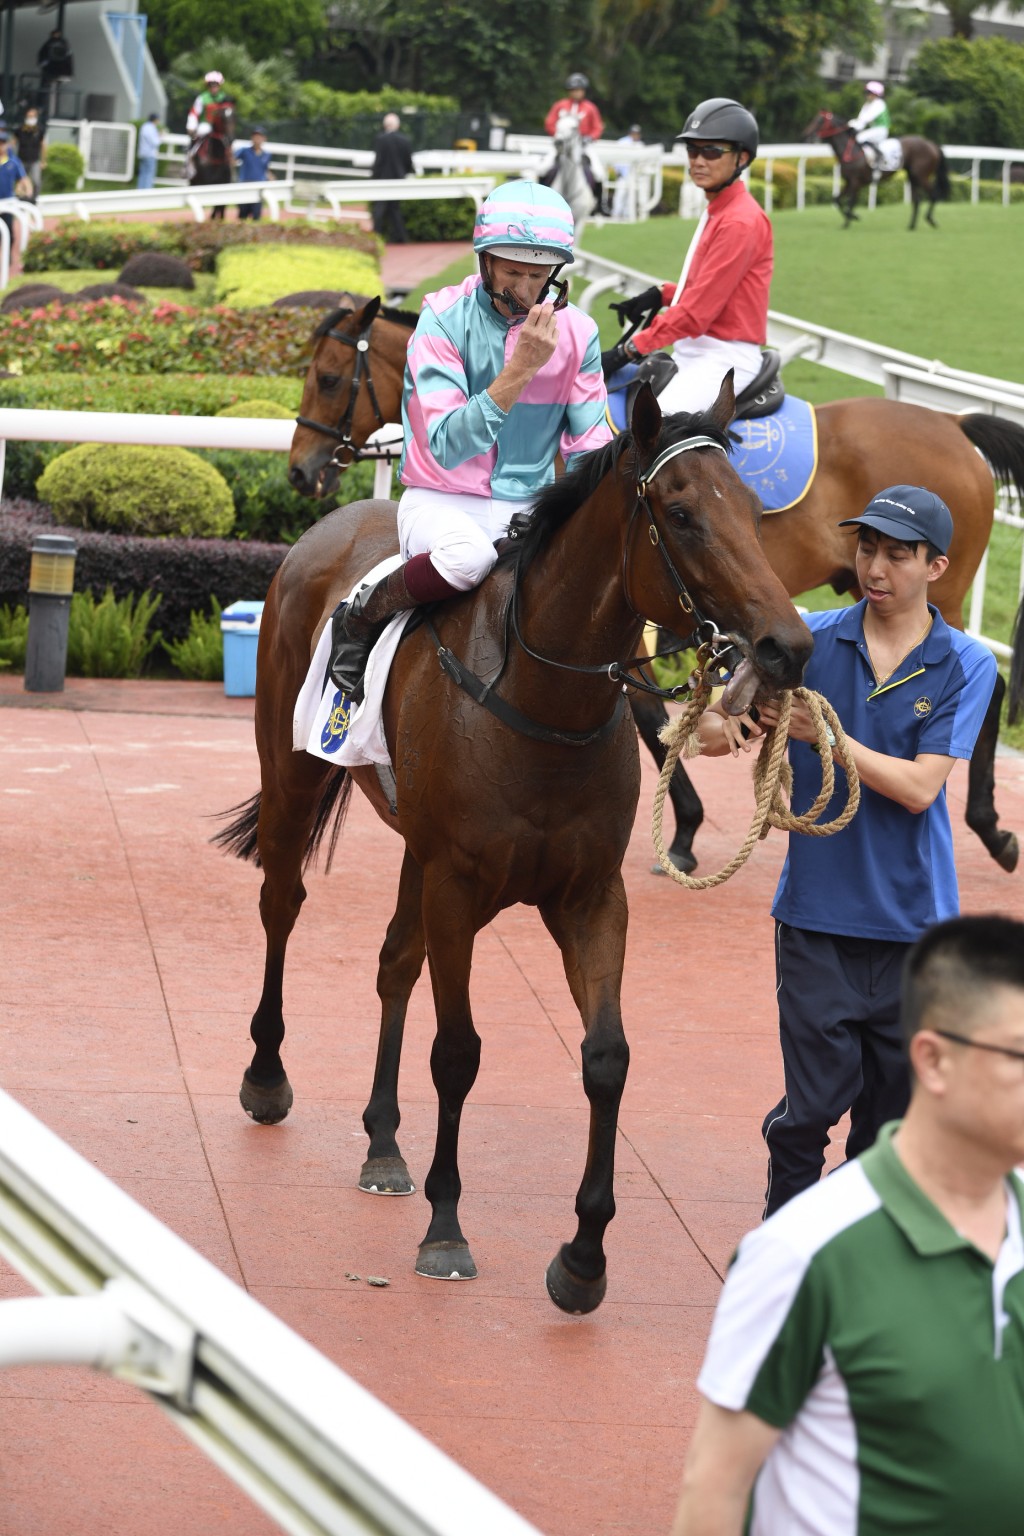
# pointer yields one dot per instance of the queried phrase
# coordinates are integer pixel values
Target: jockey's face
(524, 280)
(577, 93)
(712, 175)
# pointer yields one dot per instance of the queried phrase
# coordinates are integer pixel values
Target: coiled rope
(773, 778)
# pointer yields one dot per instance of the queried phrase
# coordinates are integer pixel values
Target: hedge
(73, 245)
(248, 278)
(187, 572)
(126, 488)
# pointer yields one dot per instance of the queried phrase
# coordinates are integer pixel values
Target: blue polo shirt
(252, 166)
(890, 873)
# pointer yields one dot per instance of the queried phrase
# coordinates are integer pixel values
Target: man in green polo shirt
(865, 1370)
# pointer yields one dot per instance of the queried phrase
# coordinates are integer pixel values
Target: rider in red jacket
(577, 105)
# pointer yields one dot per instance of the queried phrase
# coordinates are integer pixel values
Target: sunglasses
(709, 152)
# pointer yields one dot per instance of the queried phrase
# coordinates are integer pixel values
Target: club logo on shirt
(922, 706)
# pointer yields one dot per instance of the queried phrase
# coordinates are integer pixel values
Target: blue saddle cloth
(777, 455)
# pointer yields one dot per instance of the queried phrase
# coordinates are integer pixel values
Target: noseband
(343, 431)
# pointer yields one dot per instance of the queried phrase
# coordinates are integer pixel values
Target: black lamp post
(50, 585)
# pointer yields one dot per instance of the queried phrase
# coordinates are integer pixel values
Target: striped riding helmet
(525, 221)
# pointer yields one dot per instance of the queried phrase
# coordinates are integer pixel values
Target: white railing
(914, 380)
(244, 432)
(83, 205)
(406, 190)
(125, 1295)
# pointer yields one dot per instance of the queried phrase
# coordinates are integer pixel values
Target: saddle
(762, 397)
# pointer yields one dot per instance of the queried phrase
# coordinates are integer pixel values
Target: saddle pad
(618, 389)
(891, 151)
(778, 455)
(325, 722)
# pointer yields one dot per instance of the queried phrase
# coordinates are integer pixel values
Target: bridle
(343, 431)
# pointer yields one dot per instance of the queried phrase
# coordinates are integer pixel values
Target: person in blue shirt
(11, 173)
(911, 695)
(149, 149)
(254, 165)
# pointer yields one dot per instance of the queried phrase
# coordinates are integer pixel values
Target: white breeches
(872, 136)
(703, 362)
(456, 530)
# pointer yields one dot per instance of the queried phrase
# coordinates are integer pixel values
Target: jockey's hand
(614, 359)
(633, 311)
(537, 338)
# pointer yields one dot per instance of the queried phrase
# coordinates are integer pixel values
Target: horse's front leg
(981, 814)
(288, 804)
(592, 939)
(401, 960)
(450, 922)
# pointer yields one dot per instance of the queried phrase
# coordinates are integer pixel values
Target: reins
(343, 431)
(772, 778)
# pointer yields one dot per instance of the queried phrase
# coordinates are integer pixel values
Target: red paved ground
(131, 961)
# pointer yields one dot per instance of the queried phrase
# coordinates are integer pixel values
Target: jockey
(716, 315)
(209, 102)
(872, 123)
(202, 132)
(575, 104)
(503, 373)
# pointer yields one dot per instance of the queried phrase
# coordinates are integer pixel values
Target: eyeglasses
(980, 1045)
(709, 152)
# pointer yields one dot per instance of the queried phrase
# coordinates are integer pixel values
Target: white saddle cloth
(891, 155)
(325, 721)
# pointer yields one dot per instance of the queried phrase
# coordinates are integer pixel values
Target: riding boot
(357, 626)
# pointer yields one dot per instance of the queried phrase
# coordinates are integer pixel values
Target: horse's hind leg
(981, 814)
(450, 920)
(288, 806)
(592, 939)
(401, 960)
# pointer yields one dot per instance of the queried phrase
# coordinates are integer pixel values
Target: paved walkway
(132, 954)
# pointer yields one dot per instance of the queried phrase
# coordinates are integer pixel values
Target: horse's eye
(678, 515)
(330, 381)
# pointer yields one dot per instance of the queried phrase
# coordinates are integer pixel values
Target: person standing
(254, 165)
(392, 161)
(32, 148)
(716, 315)
(865, 1369)
(625, 176)
(13, 180)
(476, 451)
(911, 694)
(149, 149)
(873, 124)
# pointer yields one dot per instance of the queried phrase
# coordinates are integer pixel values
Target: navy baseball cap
(908, 512)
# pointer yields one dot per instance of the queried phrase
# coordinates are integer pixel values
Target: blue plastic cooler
(240, 627)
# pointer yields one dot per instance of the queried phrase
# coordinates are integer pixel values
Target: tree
(269, 29)
(961, 18)
(978, 89)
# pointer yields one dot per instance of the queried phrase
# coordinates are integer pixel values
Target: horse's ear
(369, 314)
(724, 408)
(646, 420)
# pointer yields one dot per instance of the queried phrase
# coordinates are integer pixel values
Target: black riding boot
(356, 626)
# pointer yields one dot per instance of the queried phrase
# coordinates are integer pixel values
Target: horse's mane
(558, 501)
(397, 316)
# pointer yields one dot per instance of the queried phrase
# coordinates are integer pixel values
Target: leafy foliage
(977, 89)
(248, 278)
(110, 638)
(153, 491)
(13, 636)
(64, 168)
(74, 246)
(200, 656)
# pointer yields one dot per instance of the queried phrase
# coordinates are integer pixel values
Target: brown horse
(210, 163)
(923, 161)
(526, 797)
(863, 446)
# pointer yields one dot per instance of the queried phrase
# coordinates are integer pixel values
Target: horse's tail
(1002, 443)
(941, 181)
(240, 835)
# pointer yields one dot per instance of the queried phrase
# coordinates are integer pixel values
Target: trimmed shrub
(116, 290)
(266, 506)
(246, 279)
(446, 218)
(186, 571)
(152, 491)
(64, 168)
(32, 296)
(76, 246)
(266, 408)
(156, 269)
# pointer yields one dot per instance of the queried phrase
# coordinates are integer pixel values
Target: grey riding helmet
(577, 82)
(722, 118)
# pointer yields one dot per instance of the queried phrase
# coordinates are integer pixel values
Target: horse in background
(209, 162)
(923, 161)
(573, 173)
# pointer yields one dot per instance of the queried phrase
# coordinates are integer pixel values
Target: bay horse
(533, 803)
(209, 162)
(863, 446)
(923, 161)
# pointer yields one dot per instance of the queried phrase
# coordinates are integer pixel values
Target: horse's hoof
(445, 1261)
(1008, 853)
(686, 862)
(386, 1176)
(266, 1105)
(571, 1293)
